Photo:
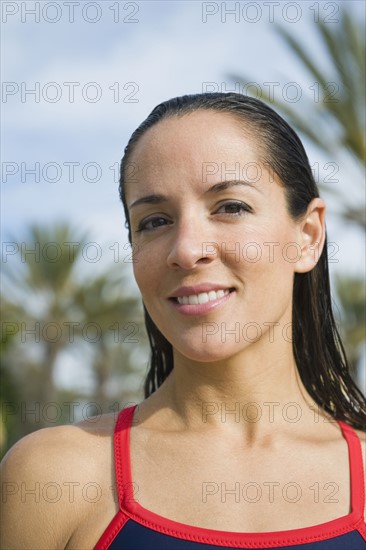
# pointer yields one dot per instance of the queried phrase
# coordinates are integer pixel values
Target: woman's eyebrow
(216, 188)
(222, 185)
(150, 199)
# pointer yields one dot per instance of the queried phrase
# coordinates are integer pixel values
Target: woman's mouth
(203, 302)
(203, 297)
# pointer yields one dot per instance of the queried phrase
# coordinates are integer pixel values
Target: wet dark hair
(318, 350)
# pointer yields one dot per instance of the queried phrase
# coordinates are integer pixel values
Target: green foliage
(334, 120)
(47, 289)
(351, 292)
(334, 123)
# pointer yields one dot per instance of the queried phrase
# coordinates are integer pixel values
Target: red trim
(112, 531)
(123, 423)
(356, 468)
(323, 531)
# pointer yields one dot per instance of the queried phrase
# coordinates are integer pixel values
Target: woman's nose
(191, 245)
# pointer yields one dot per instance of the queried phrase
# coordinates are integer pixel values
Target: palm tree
(44, 291)
(334, 122)
(333, 118)
(40, 290)
(117, 316)
(352, 294)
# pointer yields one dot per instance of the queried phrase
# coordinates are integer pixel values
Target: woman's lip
(197, 289)
(200, 309)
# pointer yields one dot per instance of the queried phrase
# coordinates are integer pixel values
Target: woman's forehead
(195, 151)
(202, 136)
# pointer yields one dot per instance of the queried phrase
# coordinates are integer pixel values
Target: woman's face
(200, 231)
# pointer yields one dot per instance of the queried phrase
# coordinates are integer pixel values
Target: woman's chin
(207, 353)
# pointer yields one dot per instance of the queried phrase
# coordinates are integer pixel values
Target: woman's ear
(311, 236)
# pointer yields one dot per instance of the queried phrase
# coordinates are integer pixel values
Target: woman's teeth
(203, 297)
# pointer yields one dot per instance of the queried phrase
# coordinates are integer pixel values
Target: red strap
(123, 475)
(356, 469)
(122, 453)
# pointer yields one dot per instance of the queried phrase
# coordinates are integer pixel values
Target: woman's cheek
(144, 265)
(253, 249)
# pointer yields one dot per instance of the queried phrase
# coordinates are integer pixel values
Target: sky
(98, 68)
(79, 77)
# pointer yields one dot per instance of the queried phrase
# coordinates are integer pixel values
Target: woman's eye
(233, 208)
(236, 208)
(150, 225)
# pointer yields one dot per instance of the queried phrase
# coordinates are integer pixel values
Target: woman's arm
(36, 477)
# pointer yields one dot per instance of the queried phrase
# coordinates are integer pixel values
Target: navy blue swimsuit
(135, 527)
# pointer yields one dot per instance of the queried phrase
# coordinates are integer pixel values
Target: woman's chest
(220, 486)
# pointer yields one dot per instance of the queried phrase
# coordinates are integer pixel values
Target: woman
(251, 433)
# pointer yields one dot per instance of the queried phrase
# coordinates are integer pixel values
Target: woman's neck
(251, 396)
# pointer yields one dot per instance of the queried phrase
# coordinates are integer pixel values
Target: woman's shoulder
(50, 476)
(59, 444)
(362, 435)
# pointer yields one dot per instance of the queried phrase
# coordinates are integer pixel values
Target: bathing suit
(136, 528)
